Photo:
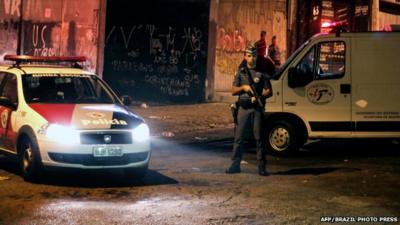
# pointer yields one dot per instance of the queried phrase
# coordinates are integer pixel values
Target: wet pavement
(186, 183)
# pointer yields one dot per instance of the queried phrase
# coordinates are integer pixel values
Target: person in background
(274, 53)
(261, 45)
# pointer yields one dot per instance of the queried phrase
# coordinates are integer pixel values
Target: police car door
(8, 105)
(321, 93)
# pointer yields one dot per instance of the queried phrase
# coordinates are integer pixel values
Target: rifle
(259, 99)
(234, 109)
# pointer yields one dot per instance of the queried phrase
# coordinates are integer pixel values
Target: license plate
(107, 151)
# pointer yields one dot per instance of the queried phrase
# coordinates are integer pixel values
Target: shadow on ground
(314, 171)
(333, 148)
(96, 179)
(354, 148)
(90, 179)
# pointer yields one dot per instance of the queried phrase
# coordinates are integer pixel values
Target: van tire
(282, 138)
(29, 160)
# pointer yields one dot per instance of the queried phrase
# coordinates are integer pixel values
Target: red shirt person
(261, 45)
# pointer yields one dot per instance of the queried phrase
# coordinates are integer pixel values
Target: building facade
(175, 51)
(50, 28)
(233, 25)
(360, 15)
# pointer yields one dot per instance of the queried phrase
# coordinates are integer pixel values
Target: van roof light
(337, 27)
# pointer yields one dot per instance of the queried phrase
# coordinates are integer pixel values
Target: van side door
(319, 89)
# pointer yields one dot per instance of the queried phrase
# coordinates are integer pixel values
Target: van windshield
(66, 89)
(279, 72)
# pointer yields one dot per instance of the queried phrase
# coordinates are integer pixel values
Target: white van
(343, 85)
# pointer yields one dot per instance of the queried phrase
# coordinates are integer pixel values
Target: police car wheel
(29, 160)
(282, 138)
(136, 173)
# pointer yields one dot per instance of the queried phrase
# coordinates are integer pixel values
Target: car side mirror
(5, 101)
(126, 100)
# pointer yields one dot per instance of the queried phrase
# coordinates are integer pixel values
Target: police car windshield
(67, 89)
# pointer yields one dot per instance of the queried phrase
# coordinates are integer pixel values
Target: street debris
(212, 125)
(158, 117)
(155, 117)
(201, 138)
(244, 162)
(167, 134)
(144, 105)
(2, 178)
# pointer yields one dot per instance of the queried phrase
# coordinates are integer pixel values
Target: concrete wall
(156, 50)
(235, 23)
(389, 15)
(10, 13)
(51, 28)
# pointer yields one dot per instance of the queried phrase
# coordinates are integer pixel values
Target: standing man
(261, 45)
(253, 88)
(274, 53)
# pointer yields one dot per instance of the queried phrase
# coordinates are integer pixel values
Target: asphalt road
(186, 184)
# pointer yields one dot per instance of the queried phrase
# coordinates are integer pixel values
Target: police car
(62, 116)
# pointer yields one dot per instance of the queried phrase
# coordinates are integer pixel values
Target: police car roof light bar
(18, 59)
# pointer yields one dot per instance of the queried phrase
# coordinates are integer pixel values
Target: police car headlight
(61, 134)
(141, 133)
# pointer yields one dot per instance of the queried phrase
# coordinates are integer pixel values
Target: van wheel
(29, 159)
(282, 138)
(136, 173)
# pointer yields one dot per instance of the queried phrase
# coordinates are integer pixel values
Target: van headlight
(141, 133)
(59, 133)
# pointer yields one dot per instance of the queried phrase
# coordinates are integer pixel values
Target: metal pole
(21, 22)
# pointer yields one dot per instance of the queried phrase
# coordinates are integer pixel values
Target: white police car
(62, 116)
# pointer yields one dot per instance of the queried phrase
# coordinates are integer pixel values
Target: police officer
(251, 110)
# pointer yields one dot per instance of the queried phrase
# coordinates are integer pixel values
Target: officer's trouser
(249, 118)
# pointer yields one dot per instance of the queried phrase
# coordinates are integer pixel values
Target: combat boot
(262, 171)
(234, 168)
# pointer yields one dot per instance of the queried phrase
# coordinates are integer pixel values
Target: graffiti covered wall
(239, 23)
(50, 28)
(389, 15)
(61, 28)
(157, 54)
(10, 13)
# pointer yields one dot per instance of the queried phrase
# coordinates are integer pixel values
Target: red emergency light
(337, 27)
(326, 24)
(29, 58)
(333, 24)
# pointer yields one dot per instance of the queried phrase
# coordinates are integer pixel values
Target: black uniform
(250, 114)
